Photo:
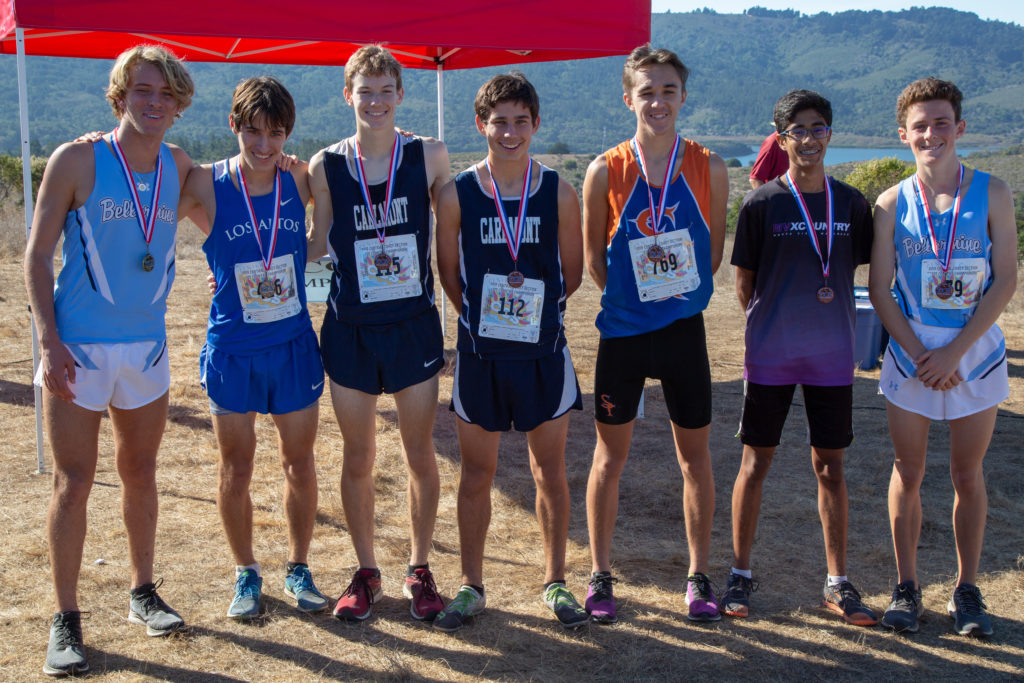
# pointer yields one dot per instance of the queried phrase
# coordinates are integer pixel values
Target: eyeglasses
(798, 134)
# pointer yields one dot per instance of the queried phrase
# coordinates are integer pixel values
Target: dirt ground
(787, 637)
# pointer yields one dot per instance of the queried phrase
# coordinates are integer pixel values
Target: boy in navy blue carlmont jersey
(373, 193)
(509, 253)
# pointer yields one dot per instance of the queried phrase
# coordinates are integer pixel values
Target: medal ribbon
(269, 258)
(145, 224)
(381, 227)
(805, 212)
(512, 240)
(656, 216)
(947, 256)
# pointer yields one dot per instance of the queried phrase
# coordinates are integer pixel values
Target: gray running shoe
(905, 609)
(968, 611)
(65, 655)
(563, 603)
(147, 608)
(466, 603)
(736, 599)
(246, 603)
(299, 585)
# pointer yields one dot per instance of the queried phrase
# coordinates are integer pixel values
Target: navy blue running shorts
(378, 359)
(677, 355)
(499, 395)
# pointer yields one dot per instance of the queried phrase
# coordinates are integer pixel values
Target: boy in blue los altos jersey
(799, 239)
(373, 193)
(509, 253)
(946, 237)
(261, 353)
(103, 345)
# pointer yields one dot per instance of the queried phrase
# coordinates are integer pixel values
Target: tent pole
(26, 179)
(440, 136)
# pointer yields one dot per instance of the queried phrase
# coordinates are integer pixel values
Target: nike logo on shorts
(318, 385)
(427, 365)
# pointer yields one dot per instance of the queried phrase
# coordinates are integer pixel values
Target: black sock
(291, 566)
(411, 569)
(478, 589)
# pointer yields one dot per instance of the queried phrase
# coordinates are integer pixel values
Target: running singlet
(362, 293)
(499, 321)
(918, 270)
(244, 319)
(103, 293)
(630, 276)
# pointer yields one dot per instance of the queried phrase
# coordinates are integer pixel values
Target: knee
(71, 487)
(357, 464)
(829, 472)
(137, 472)
(422, 465)
(235, 473)
(755, 465)
(475, 479)
(907, 475)
(298, 467)
(608, 465)
(968, 482)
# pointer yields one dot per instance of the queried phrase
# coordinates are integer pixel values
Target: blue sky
(1004, 10)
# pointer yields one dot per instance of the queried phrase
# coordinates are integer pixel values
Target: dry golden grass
(788, 636)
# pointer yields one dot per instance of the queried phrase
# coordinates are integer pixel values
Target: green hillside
(740, 65)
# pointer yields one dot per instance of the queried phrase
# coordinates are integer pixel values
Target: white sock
(745, 573)
(836, 580)
(255, 566)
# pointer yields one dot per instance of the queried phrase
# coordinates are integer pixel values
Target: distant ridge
(740, 64)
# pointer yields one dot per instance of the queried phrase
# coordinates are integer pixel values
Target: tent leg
(26, 177)
(440, 136)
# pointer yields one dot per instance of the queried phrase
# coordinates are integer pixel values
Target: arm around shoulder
(323, 213)
(595, 220)
(438, 166)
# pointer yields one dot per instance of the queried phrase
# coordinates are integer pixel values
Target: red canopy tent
(454, 34)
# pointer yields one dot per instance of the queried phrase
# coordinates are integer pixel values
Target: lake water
(842, 155)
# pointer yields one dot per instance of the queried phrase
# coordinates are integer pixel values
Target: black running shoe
(968, 611)
(905, 609)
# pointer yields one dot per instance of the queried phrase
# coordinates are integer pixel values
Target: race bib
(268, 295)
(675, 272)
(511, 313)
(398, 278)
(958, 288)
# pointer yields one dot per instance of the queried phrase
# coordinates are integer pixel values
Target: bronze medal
(148, 262)
(655, 253)
(266, 288)
(825, 295)
(382, 261)
(944, 290)
(515, 279)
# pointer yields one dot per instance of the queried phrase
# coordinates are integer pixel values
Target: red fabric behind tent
(455, 33)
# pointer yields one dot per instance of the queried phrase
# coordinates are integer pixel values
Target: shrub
(874, 177)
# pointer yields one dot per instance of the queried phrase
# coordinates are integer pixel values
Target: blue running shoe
(246, 603)
(299, 585)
